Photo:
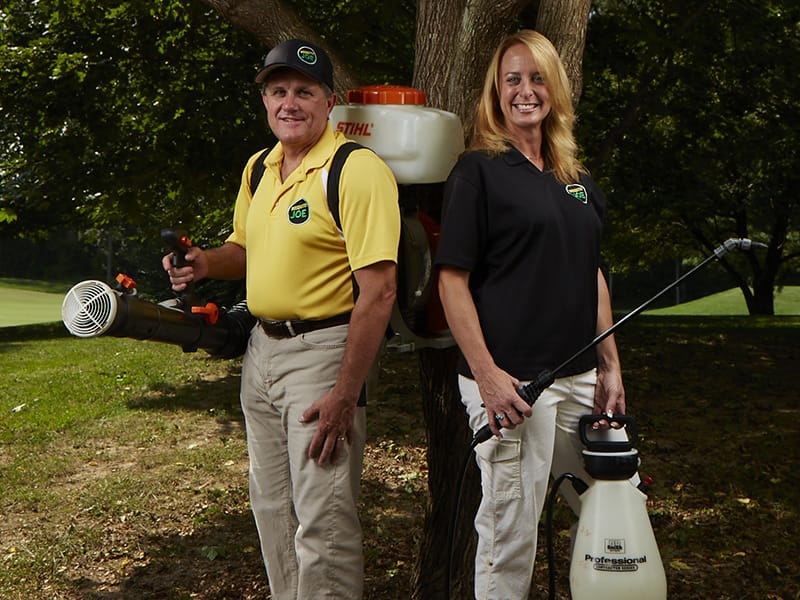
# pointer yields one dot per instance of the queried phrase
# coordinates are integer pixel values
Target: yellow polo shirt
(298, 264)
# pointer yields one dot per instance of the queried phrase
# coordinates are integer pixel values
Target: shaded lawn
(124, 475)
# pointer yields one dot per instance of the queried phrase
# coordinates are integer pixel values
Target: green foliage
(119, 118)
(689, 114)
(131, 115)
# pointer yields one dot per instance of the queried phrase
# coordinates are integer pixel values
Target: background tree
(690, 120)
(134, 114)
(121, 118)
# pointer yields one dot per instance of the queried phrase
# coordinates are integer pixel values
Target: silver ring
(500, 417)
(341, 439)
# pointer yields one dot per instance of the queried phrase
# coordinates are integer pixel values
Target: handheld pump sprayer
(615, 556)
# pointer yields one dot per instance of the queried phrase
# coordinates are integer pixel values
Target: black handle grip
(529, 392)
(177, 240)
(627, 421)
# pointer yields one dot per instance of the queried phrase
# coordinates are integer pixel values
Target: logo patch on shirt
(299, 212)
(576, 190)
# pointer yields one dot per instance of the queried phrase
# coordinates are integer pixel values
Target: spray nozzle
(737, 244)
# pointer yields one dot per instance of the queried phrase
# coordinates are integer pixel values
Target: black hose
(451, 530)
(580, 486)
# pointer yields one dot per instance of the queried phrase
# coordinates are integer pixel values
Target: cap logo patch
(299, 212)
(307, 55)
(576, 190)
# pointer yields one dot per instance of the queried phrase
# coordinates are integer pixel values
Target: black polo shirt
(532, 247)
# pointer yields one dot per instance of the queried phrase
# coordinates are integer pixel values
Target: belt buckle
(277, 329)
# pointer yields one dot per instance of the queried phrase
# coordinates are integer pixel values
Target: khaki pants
(306, 514)
(514, 477)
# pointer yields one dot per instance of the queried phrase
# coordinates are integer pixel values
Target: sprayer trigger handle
(177, 240)
(531, 391)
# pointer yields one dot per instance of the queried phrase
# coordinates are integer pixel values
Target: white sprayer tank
(420, 144)
(615, 556)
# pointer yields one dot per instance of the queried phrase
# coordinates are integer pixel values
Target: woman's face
(524, 98)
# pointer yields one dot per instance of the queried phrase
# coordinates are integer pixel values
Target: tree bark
(564, 23)
(448, 456)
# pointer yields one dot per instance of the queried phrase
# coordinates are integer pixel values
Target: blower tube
(92, 308)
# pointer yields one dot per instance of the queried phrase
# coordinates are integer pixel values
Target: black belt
(287, 329)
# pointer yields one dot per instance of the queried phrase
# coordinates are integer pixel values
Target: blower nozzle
(92, 308)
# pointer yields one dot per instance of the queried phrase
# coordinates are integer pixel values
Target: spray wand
(530, 392)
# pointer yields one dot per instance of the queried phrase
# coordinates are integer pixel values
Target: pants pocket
(499, 462)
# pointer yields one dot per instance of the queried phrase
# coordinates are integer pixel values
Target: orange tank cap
(386, 94)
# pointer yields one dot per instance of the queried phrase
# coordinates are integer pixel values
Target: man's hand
(335, 417)
(180, 277)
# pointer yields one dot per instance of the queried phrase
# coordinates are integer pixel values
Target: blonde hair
(489, 131)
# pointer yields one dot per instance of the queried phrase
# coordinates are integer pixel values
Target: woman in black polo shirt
(522, 289)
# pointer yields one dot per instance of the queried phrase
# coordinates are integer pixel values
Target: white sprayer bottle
(615, 556)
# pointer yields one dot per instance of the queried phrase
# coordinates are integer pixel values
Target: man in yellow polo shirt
(307, 361)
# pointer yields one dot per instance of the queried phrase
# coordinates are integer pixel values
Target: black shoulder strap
(258, 171)
(333, 178)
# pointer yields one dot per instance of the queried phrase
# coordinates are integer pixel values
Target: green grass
(123, 466)
(731, 302)
(25, 302)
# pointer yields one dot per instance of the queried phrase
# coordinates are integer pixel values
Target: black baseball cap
(300, 55)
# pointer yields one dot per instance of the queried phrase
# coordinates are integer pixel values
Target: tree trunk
(564, 23)
(448, 455)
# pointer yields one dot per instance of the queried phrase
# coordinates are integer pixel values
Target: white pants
(515, 472)
(306, 514)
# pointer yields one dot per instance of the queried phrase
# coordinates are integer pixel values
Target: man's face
(297, 108)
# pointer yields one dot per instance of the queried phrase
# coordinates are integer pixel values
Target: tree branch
(273, 21)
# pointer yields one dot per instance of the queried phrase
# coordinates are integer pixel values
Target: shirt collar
(316, 157)
(514, 157)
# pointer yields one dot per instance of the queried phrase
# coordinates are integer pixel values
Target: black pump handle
(627, 421)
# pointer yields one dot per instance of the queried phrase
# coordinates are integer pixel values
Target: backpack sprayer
(615, 556)
(419, 144)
